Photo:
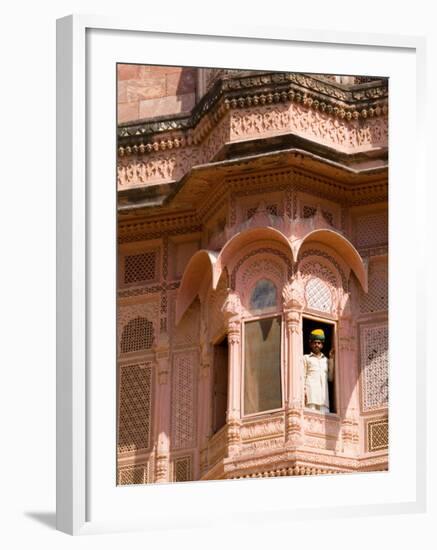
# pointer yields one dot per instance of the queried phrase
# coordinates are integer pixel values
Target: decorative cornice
(157, 228)
(361, 101)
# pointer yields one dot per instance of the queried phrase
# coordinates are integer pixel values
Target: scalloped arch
(240, 240)
(344, 248)
(199, 268)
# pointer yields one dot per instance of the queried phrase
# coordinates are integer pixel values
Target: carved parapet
(233, 437)
(294, 426)
(350, 434)
(322, 431)
(263, 428)
(234, 432)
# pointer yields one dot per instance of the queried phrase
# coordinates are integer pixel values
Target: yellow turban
(317, 334)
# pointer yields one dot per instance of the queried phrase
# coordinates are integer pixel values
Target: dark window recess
(307, 326)
(220, 384)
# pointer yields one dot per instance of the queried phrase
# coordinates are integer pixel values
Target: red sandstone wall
(146, 91)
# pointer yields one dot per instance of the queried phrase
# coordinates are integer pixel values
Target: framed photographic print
(237, 283)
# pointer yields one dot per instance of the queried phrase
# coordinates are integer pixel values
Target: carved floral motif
(292, 295)
(232, 306)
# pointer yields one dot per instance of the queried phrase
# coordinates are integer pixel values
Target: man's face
(316, 346)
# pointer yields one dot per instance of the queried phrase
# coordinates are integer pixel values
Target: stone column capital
(232, 308)
(293, 320)
(293, 296)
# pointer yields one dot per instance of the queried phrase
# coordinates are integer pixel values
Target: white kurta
(317, 370)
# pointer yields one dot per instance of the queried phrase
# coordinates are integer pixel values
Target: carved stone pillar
(232, 313)
(293, 305)
(163, 411)
(348, 380)
(233, 414)
(204, 394)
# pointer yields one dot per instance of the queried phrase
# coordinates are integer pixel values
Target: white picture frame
(86, 237)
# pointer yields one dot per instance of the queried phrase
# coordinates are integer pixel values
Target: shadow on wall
(147, 91)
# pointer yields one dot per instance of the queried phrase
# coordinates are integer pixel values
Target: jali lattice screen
(318, 295)
(135, 407)
(272, 209)
(137, 335)
(139, 268)
(183, 424)
(374, 366)
(377, 435)
(372, 229)
(182, 469)
(133, 475)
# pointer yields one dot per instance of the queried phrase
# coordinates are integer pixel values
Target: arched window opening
(264, 296)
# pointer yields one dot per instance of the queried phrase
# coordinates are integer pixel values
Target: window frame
(248, 319)
(329, 320)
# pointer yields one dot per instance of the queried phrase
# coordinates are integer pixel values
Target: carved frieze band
(264, 429)
(170, 160)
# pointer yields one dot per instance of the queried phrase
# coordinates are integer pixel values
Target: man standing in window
(318, 371)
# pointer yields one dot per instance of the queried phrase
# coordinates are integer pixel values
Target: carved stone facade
(253, 215)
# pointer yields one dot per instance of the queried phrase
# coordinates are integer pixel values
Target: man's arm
(305, 368)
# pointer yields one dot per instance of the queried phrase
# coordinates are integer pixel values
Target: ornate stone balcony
(329, 445)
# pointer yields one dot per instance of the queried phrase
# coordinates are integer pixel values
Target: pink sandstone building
(252, 209)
